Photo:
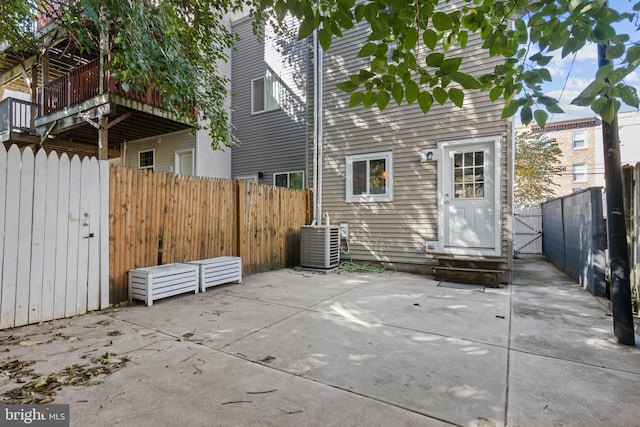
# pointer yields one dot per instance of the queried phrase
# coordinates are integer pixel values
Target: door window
(468, 175)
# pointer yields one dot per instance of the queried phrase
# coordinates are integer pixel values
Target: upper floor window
(579, 139)
(264, 94)
(146, 159)
(579, 172)
(289, 180)
(369, 177)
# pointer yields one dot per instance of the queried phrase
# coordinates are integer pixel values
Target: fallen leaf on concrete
(188, 335)
(30, 343)
(268, 359)
(114, 333)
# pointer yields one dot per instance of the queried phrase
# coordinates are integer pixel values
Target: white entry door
(184, 162)
(469, 193)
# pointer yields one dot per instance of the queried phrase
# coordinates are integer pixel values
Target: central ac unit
(320, 246)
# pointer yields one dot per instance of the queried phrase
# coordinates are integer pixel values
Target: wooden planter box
(218, 271)
(162, 281)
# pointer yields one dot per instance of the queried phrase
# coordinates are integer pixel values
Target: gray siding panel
(273, 141)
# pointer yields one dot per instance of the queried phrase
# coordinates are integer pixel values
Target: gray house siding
(396, 231)
(272, 141)
(165, 148)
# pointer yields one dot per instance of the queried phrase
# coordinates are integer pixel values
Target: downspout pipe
(315, 127)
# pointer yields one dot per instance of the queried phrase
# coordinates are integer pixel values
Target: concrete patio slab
(442, 377)
(289, 348)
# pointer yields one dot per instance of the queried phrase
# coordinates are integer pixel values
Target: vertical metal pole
(616, 228)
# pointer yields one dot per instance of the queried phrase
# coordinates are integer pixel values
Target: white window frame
(575, 172)
(153, 165)
(247, 178)
(388, 194)
(176, 161)
(288, 174)
(268, 79)
(583, 141)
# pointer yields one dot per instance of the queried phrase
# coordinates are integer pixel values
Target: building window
(369, 178)
(146, 159)
(264, 94)
(579, 139)
(468, 175)
(289, 180)
(579, 172)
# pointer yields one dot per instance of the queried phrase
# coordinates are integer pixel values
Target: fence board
(10, 262)
(62, 228)
(38, 238)
(51, 221)
(75, 177)
(24, 238)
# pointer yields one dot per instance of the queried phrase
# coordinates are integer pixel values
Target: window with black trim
(146, 159)
(369, 177)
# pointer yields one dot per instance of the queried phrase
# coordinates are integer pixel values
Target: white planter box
(219, 270)
(162, 281)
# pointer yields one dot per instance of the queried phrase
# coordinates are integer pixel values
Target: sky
(575, 77)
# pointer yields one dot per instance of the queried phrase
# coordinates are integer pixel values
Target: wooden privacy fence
(53, 255)
(159, 218)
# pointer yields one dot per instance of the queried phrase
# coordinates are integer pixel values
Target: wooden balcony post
(34, 94)
(103, 138)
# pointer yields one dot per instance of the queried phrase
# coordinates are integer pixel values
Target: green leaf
(510, 109)
(410, 38)
(463, 38)
(412, 91)
(526, 115)
(383, 100)
(356, 99)
(629, 96)
(397, 92)
(467, 81)
(450, 65)
(430, 38)
(442, 21)
(495, 93)
(607, 108)
(306, 27)
(379, 65)
(541, 118)
(425, 100)
(456, 96)
(347, 86)
(343, 19)
(435, 59)
(440, 95)
(367, 50)
(603, 32)
(369, 99)
(324, 36)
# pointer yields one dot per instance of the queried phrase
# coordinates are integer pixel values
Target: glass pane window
(146, 159)
(368, 177)
(468, 175)
(579, 172)
(289, 180)
(264, 94)
(579, 139)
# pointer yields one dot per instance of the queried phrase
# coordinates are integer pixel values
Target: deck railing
(16, 115)
(82, 84)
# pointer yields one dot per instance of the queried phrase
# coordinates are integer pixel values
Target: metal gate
(527, 231)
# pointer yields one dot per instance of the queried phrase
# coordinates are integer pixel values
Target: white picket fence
(54, 251)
